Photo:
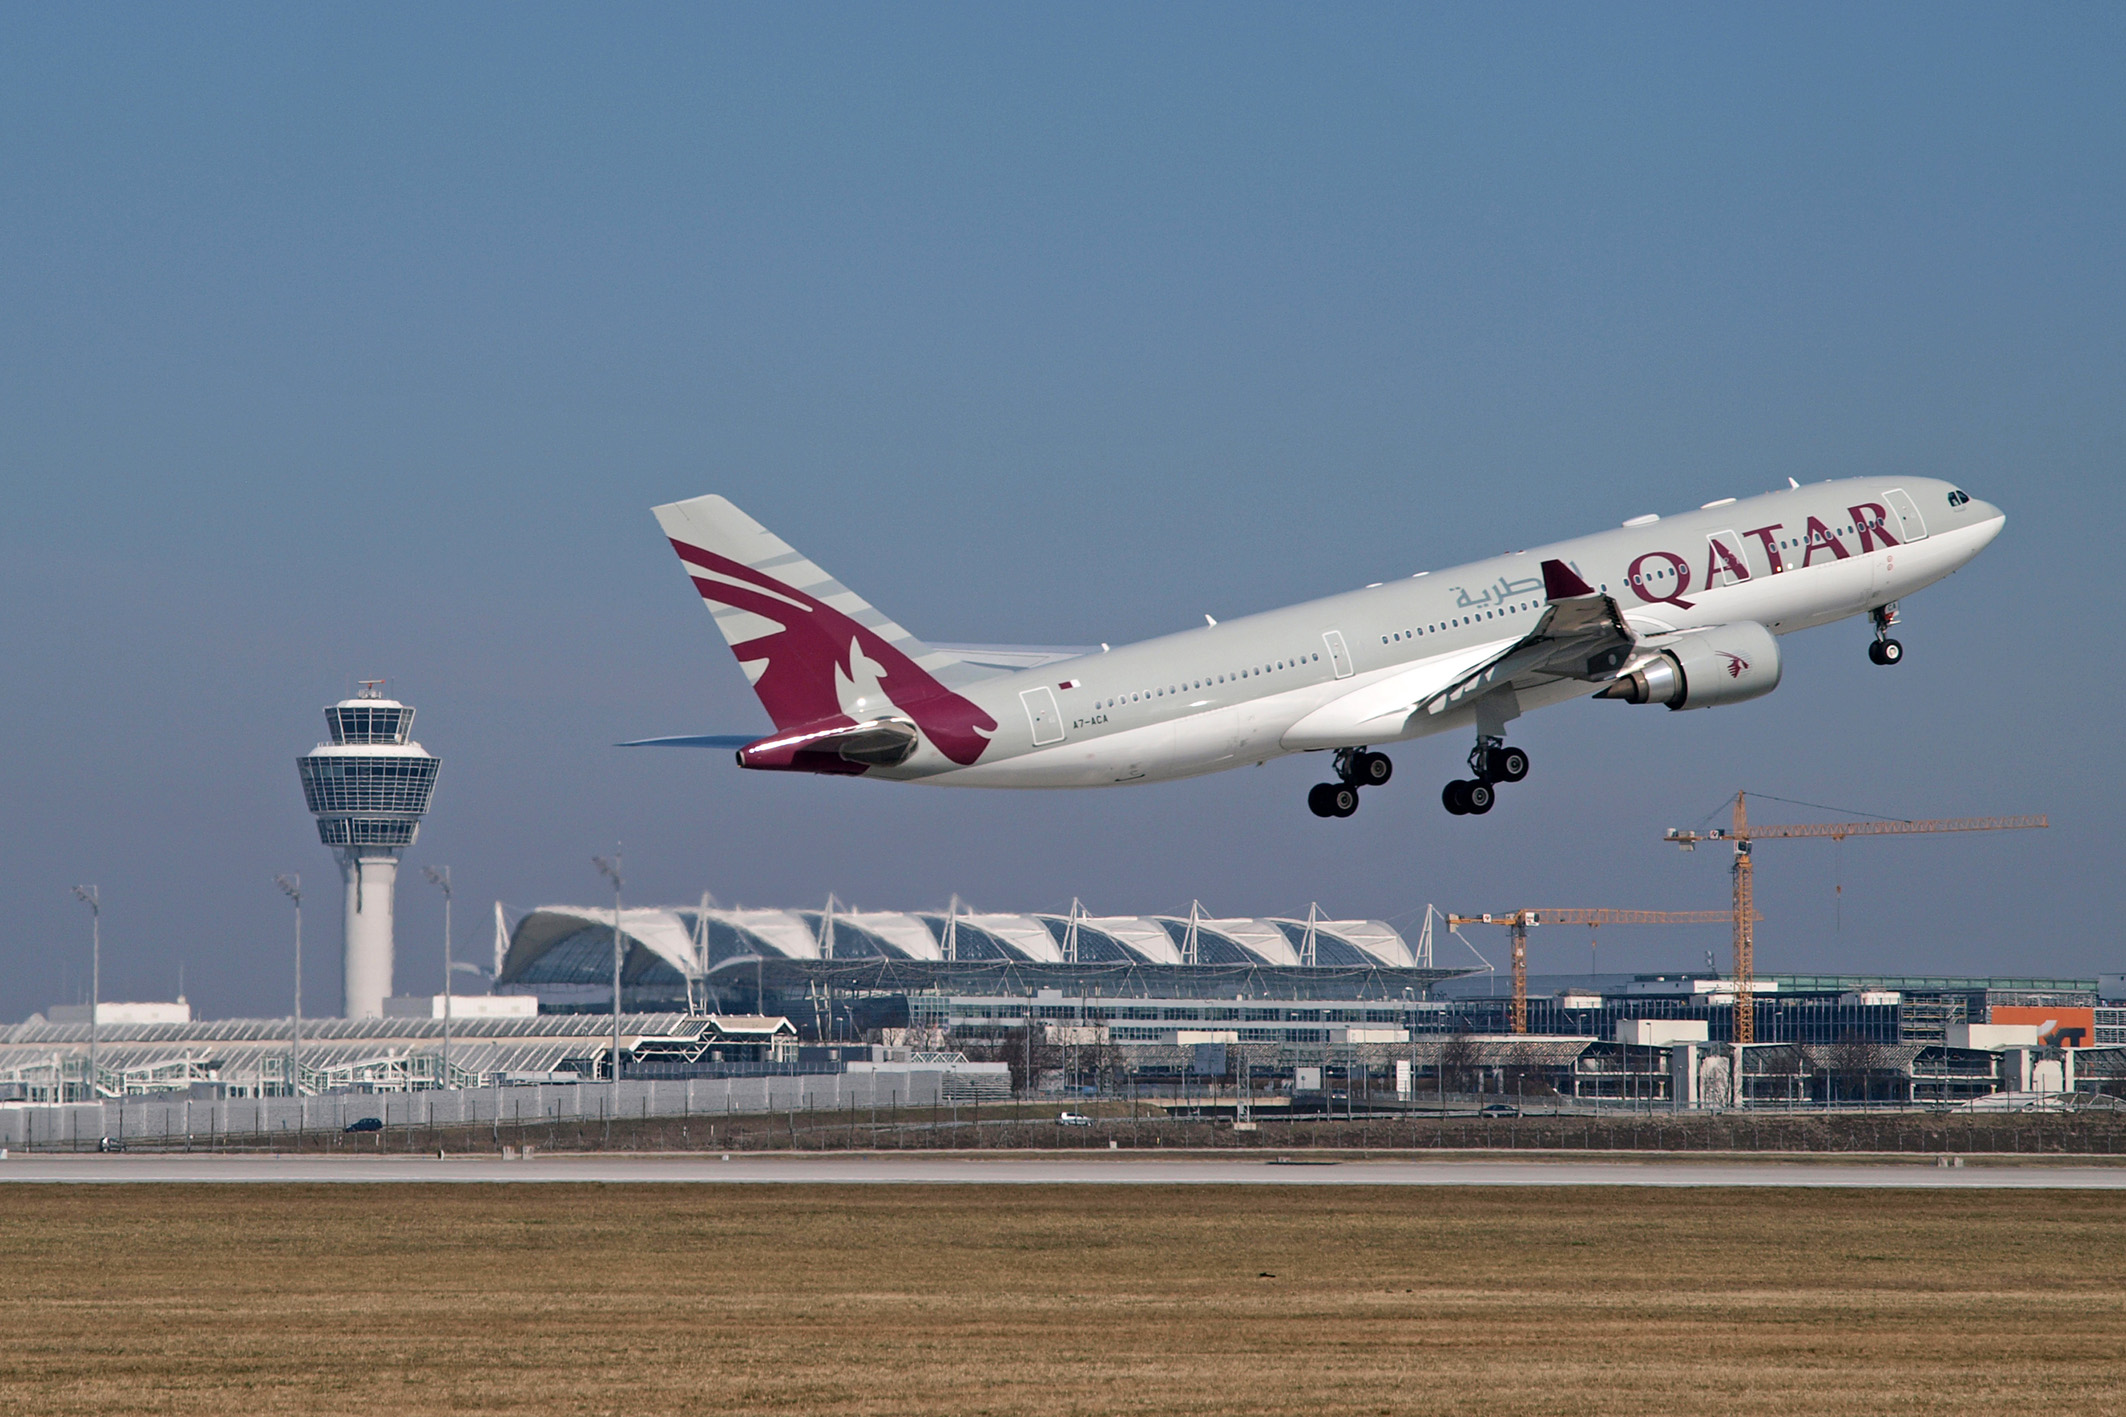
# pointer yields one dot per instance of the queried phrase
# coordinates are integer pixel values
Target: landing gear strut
(1493, 762)
(1362, 768)
(1885, 650)
(1355, 768)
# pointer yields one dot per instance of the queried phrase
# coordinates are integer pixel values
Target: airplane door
(1907, 513)
(1339, 653)
(1041, 715)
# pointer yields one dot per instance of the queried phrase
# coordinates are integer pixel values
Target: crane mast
(1517, 922)
(1744, 836)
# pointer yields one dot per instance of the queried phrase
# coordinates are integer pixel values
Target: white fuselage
(1337, 672)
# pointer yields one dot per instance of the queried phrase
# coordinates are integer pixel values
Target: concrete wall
(154, 1120)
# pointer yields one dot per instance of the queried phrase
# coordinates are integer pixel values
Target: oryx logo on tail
(818, 655)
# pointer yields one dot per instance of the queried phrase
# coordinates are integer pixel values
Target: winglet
(1561, 582)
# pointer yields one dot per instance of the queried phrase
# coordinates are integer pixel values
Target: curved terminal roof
(566, 944)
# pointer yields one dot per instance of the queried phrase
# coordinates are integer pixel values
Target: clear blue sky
(357, 341)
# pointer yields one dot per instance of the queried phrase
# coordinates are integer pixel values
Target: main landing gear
(1885, 650)
(1355, 768)
(1493, 763)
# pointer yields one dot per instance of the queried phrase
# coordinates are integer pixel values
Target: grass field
(952, 1300)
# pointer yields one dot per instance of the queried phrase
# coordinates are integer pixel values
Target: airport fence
(274, 1121)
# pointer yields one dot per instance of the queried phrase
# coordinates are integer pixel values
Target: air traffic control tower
(368, 788)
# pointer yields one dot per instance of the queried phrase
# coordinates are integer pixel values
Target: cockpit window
(1957, 499)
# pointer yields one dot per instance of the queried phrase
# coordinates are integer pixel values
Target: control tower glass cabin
(368, 787)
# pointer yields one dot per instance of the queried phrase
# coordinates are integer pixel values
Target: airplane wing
(1581, 635)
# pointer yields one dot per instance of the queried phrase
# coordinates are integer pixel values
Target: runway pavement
(1254, 1170)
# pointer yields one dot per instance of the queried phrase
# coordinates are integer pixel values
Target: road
(860, 1169)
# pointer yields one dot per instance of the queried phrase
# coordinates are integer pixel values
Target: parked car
(110, 1143)
(1498, 1109)
(364, 1124)
(1074, 1119)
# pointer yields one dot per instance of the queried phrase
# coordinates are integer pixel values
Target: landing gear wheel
(1455, 798)
(1370, 769)
(1332, 799)
(1886, 651)
(1506, 764)
(1480, 796)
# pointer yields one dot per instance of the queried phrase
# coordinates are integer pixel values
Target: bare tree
(1025, 1050)
(1853, 1063)
(1458, 1063)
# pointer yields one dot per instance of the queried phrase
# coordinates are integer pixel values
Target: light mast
(368, 787)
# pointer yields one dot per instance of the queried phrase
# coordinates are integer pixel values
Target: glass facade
(1329, 952)
(366, 831)
(346, 784)
(1211, 947)
(360, 723)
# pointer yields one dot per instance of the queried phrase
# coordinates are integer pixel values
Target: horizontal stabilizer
(693, 740)
(839, 747)
(1008, 658)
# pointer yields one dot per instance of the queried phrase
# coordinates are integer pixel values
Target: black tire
(1320, 799)
(1371, 769)
(1455, 797)
(1481, 796)
(1892, 652)
(1875, 652)
(1345, 797)
(1509, 764)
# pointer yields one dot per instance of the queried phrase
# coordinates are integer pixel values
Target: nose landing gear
(1493, 762)
(1885, 650)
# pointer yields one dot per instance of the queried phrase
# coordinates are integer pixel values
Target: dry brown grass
(652, 1299)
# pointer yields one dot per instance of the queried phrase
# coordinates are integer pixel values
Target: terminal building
(1313, 1007)
(870, 962)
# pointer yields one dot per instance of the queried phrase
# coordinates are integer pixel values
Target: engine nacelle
(1723, 664)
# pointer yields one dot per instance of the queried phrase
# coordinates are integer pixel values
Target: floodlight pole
(610, 869)
(441, 877)
(93, 899)
(292, 886)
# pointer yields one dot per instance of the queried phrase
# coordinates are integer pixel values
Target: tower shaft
(371, 876)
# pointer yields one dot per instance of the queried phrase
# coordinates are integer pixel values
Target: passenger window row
(1190, 686)
(1457, 621)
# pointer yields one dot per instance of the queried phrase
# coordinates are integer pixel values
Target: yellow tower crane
(1518, 921)
(1743, 834)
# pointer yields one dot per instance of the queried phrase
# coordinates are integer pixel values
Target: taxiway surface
(860, 1169)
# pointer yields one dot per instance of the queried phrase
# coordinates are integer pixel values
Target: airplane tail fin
(813, 649)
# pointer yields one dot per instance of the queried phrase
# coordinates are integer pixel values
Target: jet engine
(1722, 664)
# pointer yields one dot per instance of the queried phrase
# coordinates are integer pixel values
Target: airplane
(1682, 611)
